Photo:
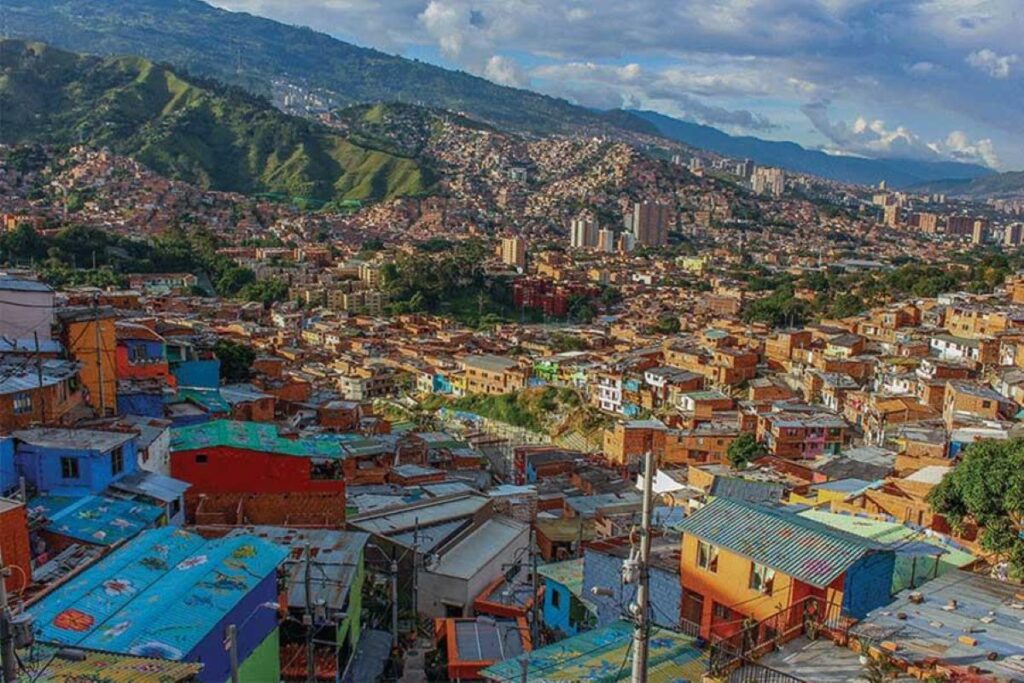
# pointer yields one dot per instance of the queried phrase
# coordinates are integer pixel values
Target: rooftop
(253, 436)
(94, 519)
(73, 439)
(788, 543)
(157, 596)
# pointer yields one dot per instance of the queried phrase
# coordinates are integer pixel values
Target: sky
(923, 79)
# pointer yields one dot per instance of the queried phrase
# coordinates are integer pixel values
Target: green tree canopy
(988, 488)
(743, 450)
(235, 360)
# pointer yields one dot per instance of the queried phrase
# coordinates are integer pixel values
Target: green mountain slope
(1009, 185)
(251, 51)
(187, 128)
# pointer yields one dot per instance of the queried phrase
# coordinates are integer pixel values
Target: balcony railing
(811, 617)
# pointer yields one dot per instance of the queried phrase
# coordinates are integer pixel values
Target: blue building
(171, 594)
(8, 473)
(565, 608)
(96, 520)
(73, 462)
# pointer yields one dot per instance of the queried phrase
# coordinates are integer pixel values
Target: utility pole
(39, 376)
(10, 670)
(232, 637)
(310, 646)
(534, 621)
(416, 575)
(99, 354)
(641, 632)
(394, 604)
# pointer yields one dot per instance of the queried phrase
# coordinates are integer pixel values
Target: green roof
(602, 656)
(568, 573)
(252, 436)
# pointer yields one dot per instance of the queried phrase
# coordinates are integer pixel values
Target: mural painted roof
(95, 519)
(158, 596)
(253, 436)
(600, 656)
(796, 546)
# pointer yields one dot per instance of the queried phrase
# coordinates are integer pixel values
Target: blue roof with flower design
(94, 519)
(158, 596)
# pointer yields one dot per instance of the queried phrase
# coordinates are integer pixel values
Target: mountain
(188, 128)
(1008, 185)
(251, 51)
(789, 155)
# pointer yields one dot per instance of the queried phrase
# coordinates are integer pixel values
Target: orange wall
(730, 586)
(81, 343)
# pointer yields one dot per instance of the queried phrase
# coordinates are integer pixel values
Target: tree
(988, 488)
(743, 450)
(235, 360)
(667, 324)
(233, 280)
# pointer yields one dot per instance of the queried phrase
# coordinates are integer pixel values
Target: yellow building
(89, 336)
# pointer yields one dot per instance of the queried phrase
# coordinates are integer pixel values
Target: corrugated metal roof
(598, 656)
(388, 522)
(254, 436)
(158, 486)
(43, 666)
(158, 596)
(465, 559)
(94, 519)
(796, 546)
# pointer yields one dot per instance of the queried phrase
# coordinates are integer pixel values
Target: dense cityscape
(302, 380)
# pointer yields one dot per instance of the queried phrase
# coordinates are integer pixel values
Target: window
(556, 599)
(201, 459)
(986, 404)
(69, 468)
(117, 461)
(707, 556)
(761, 578)
(22, 403)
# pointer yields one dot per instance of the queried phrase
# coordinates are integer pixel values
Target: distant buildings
(583, 233)
(770, 181)
(649, 223)
(513, 252)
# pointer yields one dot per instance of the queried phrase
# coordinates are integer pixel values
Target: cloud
(505, 71)
(988, 61)
(632, 86)
(873, 138)
(920, 58)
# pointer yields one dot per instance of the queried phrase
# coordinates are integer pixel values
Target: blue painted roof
(796, 546)
(95, 519)
(158, 596)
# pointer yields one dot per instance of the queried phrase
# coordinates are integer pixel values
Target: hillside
(188, 129)
(896, 172)
(250, 51)
(997, 186)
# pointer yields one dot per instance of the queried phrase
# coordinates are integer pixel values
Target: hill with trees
(191, 129)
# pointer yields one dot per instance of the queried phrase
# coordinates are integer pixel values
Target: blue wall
(557, 617)
(148, 405)
(868, 583)
(41, 467)
(8, 475)
(254, 624)
(600, 569)
(143, 349)
(197, 373)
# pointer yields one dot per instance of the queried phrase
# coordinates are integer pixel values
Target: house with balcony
(744, 563)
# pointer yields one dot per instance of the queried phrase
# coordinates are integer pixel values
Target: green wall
(264, 664)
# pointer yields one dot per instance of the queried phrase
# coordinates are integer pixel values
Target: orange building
(90, 336)
(744, 564)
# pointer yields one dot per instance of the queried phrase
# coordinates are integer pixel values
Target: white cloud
(874, 138)
(505, 71)
(994, 65)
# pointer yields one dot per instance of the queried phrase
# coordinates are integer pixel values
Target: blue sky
(927, 79)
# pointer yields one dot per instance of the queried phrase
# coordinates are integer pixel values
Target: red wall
(236, 470)
(15, 548)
